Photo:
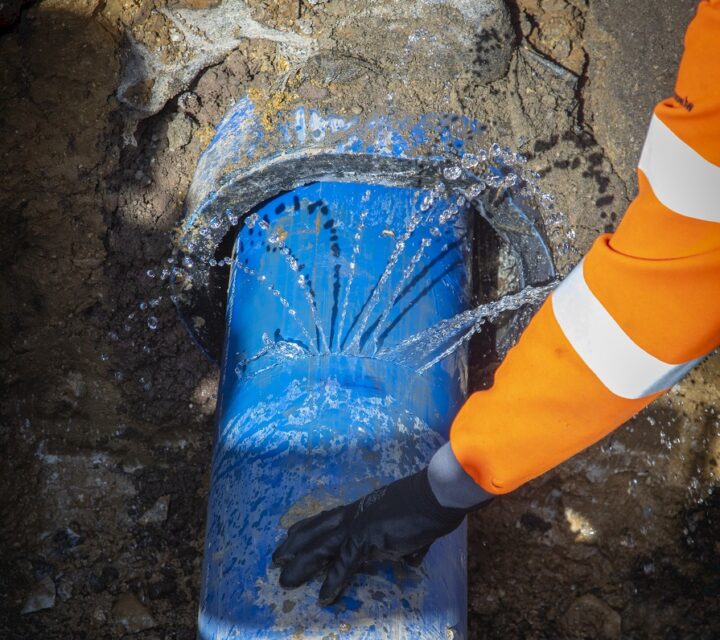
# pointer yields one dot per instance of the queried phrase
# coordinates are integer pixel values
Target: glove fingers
(305, 534)
(305, 566)
(351, 556)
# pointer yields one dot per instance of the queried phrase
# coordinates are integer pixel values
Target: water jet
(340, 322)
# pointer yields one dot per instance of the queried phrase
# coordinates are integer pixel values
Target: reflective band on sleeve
(621, 365)
(679, 176)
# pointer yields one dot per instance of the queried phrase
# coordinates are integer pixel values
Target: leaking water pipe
(342, 258)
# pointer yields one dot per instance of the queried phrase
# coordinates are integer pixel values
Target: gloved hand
(398, 521)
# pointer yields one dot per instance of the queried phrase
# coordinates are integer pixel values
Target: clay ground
(106, 426)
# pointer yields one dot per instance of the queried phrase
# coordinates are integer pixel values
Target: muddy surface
(106, 424)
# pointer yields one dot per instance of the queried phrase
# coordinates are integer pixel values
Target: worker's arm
(633, 317)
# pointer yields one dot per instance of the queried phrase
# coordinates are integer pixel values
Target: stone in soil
(131, 614)
(157, 514)
(591, 618)
(41, 597)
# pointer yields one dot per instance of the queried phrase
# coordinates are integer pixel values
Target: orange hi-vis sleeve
(640, 310)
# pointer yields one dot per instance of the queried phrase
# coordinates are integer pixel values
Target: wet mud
(106, 423)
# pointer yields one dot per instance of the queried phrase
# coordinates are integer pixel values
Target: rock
(131, 614)
(592, 619)
(554, 28)
(580, 525)
(179, 132)
(41, 597)
(67, 538)
(157, 514)
(633, 62)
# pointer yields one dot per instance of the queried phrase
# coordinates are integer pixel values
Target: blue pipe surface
(306, 423)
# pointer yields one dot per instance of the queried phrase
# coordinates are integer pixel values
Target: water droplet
(476, 189)
(495, 149)
(251, 220)
(104, 357)
(438, 190)
(150, 273)
(493, 180)
(452, 172)
(234, 220)
(435, 232)
(154, 302)
(215, 223)
(152, 323)
(212, 262)
(469, 161)
(143, 306)
(187, 262)
(483, 155)
(426, 203)
(204, 232)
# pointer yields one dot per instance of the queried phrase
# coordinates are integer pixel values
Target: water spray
(340, 316)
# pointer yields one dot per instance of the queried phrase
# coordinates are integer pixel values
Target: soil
(106, 425)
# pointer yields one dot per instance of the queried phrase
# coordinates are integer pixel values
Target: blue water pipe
(313, 410)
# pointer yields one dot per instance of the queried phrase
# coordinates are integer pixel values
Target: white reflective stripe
(680, 177)
(621, 365)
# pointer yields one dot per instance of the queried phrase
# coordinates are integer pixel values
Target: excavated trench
(106, 423)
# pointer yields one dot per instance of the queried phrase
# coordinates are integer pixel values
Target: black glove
(398, 521)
